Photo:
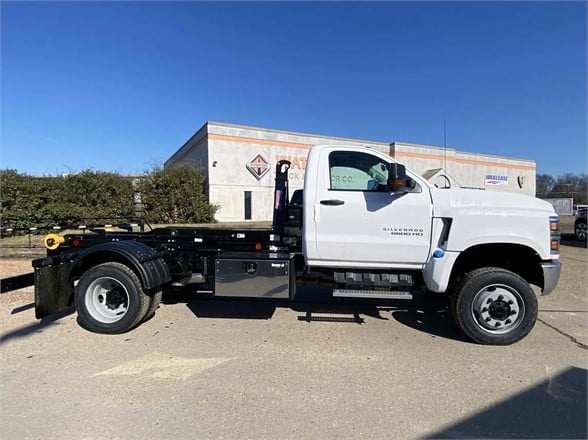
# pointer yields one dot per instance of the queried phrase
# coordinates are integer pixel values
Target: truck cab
(353, 218)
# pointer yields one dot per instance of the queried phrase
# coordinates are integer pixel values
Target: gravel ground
(14, 266)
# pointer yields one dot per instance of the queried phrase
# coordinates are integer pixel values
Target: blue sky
(119, 86)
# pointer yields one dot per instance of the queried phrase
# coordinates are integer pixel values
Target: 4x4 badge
(258, 167)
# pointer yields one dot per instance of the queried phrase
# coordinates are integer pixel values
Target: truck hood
(480, 217)
(448, 201)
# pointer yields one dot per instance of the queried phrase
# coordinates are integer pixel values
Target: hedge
(171, 195)
(176, 195)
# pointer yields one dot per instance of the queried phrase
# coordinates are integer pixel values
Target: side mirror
(397, 179)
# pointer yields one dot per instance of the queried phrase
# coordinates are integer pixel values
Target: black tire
(154, 301)
(109, 299)
(580, 229)
(453, 304)
(494, 306)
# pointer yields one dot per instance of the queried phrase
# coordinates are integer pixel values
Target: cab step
(378, 294)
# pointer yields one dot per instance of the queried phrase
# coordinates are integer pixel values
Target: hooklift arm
(280, 197)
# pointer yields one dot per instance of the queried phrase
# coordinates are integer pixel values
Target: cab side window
(354, 171)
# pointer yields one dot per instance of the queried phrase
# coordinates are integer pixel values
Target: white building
(240, 163)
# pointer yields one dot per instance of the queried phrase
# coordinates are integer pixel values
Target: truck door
(359, 223)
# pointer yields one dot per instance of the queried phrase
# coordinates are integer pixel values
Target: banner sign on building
(494, 179)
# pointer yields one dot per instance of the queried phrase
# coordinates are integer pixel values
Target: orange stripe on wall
(418, 155)
(496, 164)
(464, 161)
(223, 137)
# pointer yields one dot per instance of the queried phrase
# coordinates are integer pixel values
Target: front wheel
(109, 299)
(494, 306)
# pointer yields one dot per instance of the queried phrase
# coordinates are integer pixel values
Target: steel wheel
(498, 308)
(107, 300)
(494, 306)
(110, 299)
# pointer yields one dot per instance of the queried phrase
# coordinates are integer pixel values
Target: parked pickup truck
(363, 225)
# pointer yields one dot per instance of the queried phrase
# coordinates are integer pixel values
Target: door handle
(332, 202)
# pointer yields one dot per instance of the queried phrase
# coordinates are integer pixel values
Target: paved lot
(248, 369)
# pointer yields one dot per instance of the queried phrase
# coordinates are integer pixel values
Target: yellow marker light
(554, 245)
(52, 241)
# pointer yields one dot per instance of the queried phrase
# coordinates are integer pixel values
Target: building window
(247, 205)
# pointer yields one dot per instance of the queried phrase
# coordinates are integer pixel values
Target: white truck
(366, 226)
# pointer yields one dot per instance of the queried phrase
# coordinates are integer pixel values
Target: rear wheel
(494, 306)
(109, 299)
(154, 301)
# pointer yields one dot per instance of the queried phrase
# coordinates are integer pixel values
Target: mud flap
(53, 289)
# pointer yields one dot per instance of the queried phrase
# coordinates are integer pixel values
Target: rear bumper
(551, 272)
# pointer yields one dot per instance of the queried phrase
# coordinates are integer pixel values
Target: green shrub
(63, 199)
(172, 195)
(176, 195)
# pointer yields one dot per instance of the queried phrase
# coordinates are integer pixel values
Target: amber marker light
(555, 234)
